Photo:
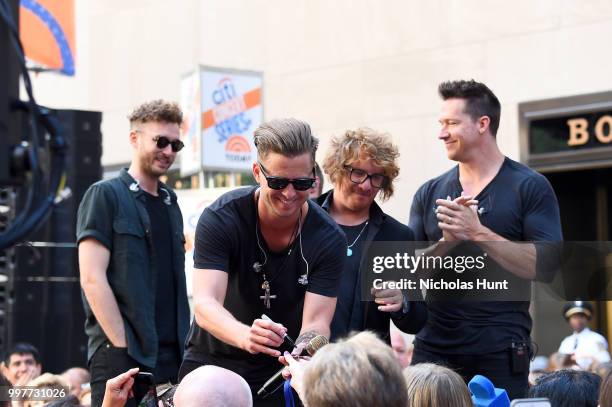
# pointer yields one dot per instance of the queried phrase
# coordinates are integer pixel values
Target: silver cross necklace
(259, 268)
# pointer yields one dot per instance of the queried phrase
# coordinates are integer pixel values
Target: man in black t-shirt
(497, 202)
(132, 257)
(264, 250)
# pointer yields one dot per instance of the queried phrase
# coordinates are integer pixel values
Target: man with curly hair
(131, 258)
(362, 164)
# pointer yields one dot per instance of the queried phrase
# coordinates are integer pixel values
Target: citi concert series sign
(223, 107)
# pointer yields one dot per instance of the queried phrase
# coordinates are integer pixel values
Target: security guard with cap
(585, 346)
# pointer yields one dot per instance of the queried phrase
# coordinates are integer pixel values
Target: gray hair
(288, 137)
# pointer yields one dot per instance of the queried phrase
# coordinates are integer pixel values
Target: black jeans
(494, 366)
(109, 362)
(105, 364)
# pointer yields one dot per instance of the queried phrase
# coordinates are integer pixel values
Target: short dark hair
(568, 387)
(479, 100)
(22, 348)
(157, 111)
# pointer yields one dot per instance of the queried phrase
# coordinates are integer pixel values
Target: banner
(231, 111)
(191, 155)
(47, 33)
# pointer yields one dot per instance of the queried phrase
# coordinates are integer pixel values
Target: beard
(156, 165)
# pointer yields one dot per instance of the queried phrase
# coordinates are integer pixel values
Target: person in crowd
(586, 347)
(21, 364)
(4, 383)
(502, 205)
(118, 389)
(362, 165)
(85, 397)
(568, 388)
(76, 378)
(558, 361)
(602, 369)
(206, 386)
(55, 387)
(131, 257)
(317, 188)
(259, 251)
(401, 348)
(213, 386)
(360, 371)
(537, 367)
(431, 385)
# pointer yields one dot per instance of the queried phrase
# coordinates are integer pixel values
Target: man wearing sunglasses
(131, 258)
(265, 250)
(362, 165)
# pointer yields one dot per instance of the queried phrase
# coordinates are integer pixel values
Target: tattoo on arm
(306, 337)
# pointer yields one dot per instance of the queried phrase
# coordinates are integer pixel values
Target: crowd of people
(282, 260)
(358, 370)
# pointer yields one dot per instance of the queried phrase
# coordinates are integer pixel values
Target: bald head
(76, 377)
(212, 386)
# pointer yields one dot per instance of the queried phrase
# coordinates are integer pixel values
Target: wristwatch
(405, 307)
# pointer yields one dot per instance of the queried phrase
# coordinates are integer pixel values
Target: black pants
(494, 366)
(109, 362)
(273, 400)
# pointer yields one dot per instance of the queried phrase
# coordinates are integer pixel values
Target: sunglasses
(163, 141)
(299, 184)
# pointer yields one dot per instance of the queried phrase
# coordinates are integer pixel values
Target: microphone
(277, 380)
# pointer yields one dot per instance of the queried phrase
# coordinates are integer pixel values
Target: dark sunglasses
(163, 141)
(299, 184)
(358, 176)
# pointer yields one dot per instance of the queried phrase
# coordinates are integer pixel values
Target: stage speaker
(46, 308)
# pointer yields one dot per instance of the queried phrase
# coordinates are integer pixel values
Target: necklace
(349, 251)
(259, 268)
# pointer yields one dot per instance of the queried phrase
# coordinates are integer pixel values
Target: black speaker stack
(42, 298)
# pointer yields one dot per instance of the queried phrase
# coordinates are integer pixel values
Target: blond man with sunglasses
(265, 250)
(131, 258)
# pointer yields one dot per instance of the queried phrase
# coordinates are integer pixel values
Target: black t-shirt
(225, 240)
(518, 204)
(165, 292)
(349, 308)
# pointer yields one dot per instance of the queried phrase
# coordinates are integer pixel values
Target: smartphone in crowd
(144, 390)
(538, 402)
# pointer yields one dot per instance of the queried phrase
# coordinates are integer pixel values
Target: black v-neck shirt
(519, 204)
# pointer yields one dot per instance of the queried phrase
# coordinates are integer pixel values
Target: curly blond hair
(353, 145)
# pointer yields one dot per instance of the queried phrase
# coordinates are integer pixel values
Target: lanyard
(289, 401)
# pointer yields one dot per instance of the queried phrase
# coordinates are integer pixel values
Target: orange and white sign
(231, 110)
(47, 33)
(191, 130)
